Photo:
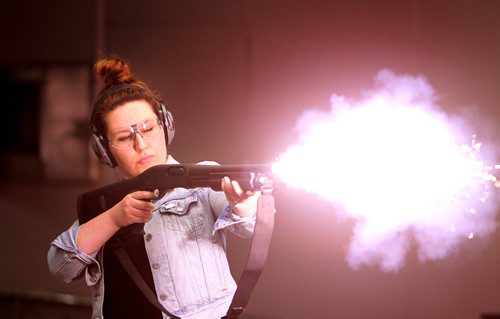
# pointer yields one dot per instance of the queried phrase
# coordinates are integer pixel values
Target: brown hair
(120, 87)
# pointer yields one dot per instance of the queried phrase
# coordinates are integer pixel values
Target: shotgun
(168, 176)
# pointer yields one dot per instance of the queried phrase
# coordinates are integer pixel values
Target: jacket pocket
(182, 214)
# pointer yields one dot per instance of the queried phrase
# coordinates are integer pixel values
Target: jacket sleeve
(226, 219)
(68, 263)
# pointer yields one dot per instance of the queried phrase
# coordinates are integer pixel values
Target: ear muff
(167, 121)
(101, 147)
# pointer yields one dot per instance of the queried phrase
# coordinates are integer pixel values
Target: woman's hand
(134, 208)
(243, 203)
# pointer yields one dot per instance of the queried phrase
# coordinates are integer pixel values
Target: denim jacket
(186, 246)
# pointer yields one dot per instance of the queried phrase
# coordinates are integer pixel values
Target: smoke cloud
(407, 172)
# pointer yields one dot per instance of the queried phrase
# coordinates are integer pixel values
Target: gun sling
(257, 257)
(145, 286)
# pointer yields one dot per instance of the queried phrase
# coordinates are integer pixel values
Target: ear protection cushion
(168, 123)
(101, 149)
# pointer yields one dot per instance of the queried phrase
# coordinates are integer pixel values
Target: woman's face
(143, 153)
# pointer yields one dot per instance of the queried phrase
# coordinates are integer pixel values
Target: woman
(184, 231)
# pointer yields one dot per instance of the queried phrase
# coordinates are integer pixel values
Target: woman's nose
(139, 143)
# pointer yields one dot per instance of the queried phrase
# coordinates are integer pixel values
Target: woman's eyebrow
(119, 130)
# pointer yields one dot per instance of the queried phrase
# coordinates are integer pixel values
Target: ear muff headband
(100, 143)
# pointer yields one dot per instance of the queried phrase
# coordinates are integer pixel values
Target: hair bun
(113, 70)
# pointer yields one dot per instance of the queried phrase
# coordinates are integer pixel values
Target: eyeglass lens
(147, 129)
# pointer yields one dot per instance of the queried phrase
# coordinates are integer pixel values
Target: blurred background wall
(237, 74)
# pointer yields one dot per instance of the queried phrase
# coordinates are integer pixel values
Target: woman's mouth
(146, 159)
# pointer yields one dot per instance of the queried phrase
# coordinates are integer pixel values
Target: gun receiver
(169, 176)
